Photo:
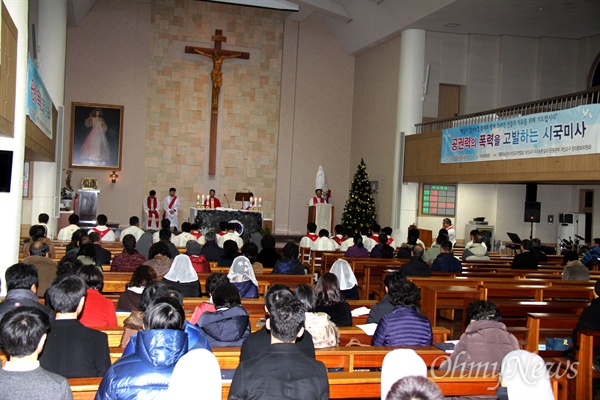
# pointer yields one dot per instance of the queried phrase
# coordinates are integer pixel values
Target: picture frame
(96, 136)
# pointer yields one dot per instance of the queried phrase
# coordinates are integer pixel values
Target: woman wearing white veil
(182, 276)
(242, 276)
(348, 284)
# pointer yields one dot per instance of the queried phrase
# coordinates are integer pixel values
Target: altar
(209, 219)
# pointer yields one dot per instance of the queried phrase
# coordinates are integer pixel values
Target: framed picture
(96, 136)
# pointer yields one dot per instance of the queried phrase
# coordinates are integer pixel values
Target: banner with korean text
(561, 133)
(39, 103)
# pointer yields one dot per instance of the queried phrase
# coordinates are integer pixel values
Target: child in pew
(23, 331)
(196, 339)
(485, 341)
(212, 282)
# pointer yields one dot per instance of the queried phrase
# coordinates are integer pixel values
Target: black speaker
(532, 211)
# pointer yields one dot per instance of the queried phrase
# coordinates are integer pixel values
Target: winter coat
(145, 374)
(324, 332)
(289, 266)
(247, 289)
(403, 327)
(483, 342)
(475, 252)
(225, 327)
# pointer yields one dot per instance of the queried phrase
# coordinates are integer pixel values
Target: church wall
(179, 96)
(374, 120)
(107, 63)
(316, 128)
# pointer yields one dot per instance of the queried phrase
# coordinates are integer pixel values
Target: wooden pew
(585, 356)
(543, 325)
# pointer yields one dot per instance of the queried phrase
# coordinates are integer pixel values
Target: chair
(400, 363)
(196, 375)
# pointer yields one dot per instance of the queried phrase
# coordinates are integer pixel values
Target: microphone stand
(228, 203)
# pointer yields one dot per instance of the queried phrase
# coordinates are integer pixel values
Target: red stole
(170, 206)
(197, 235)
(338, 240)
(317, 200)
(390, 240)
(312, 236)
(102, 233)
(152, 213)
(375, 238)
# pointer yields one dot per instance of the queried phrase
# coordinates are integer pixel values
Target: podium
(322, 215)
(87, 206)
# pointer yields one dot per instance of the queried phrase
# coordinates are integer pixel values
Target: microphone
(228, 203)
(247, 190)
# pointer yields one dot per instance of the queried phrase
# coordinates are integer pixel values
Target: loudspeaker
(532, 211)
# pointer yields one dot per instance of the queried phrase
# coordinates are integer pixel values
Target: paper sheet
(369, 329)
(357, 312)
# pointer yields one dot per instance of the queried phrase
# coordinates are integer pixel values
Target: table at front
(208, 219)
(447, 297)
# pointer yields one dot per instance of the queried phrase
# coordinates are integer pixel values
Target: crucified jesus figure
(216, 73)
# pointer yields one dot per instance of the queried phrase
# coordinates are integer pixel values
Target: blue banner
(39, 103)
(569, 132)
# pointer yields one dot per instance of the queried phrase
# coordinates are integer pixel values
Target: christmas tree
(359, 210)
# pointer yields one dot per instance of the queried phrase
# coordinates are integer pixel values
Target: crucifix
(217, 55)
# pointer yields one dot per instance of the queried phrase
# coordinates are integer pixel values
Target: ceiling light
(452, 25)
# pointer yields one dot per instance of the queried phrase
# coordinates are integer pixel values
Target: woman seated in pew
(241, 275)
(348, 284)
(98, 311)
(130, 258)
(485, 341)
(159, 258)
(229, 325)
(382, 249)
(413, 239)
(182, 277)
(268, 256)
(318, 324)
(230, 252)
(331, 301)
(404, 326)
(134, 323)
(194, 251)
(575, 271)
(130, 299)
(289, 264)
(357, 250)
(87, 254)
(213, 280)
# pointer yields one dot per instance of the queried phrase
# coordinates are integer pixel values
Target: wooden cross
(217, 55)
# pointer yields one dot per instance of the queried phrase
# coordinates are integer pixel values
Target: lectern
(322, 215)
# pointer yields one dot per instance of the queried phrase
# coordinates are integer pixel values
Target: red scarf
(312, 236)
(102, 233)
(317, 200)
(152, 213)
(170, 206)
(338, 240)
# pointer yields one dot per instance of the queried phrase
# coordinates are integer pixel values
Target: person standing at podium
(171, 207)
(318, 198)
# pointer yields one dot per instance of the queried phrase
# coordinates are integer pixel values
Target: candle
(251, 200)
(198, 198)
(212, 203)
(259, 201)
(202, 199)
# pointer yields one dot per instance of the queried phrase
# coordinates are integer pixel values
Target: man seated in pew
(23, 331)
(185, 235)
(445, 261)
(103, 256)
(231, 234)
(404, 326)
(133, 229)
(416, 266)
(412, 240)
(575, 271)
(477, 251)
(37, 233)
(197, 234)
(258, 342)
(152, 292)
(106, 234)
(526, 259)
(21, 283)
(250, 251)
(283, 371)
(230, 253)
(323, 243)
(146, 372)
(384, 306)
(388, 231)
(523, 375)
(471, 242)
(164, 224)
(415, 387)
(311, 235)
(289, 264)
(211, 249)
(68, 231)
(536, 249)
(268, 256)
(165, 237)
(46, 267)
(435, 249)
(485, 342)
(382, 249)
(73, 350)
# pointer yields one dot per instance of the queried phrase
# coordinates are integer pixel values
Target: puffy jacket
(288, 266)
(225, 327)
(247, 289)
(475, 252)
(146, 373)
(196, 340)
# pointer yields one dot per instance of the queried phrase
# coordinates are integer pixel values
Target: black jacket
(525, 260)
(415, 267)
(258, 342)
(212, 251)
